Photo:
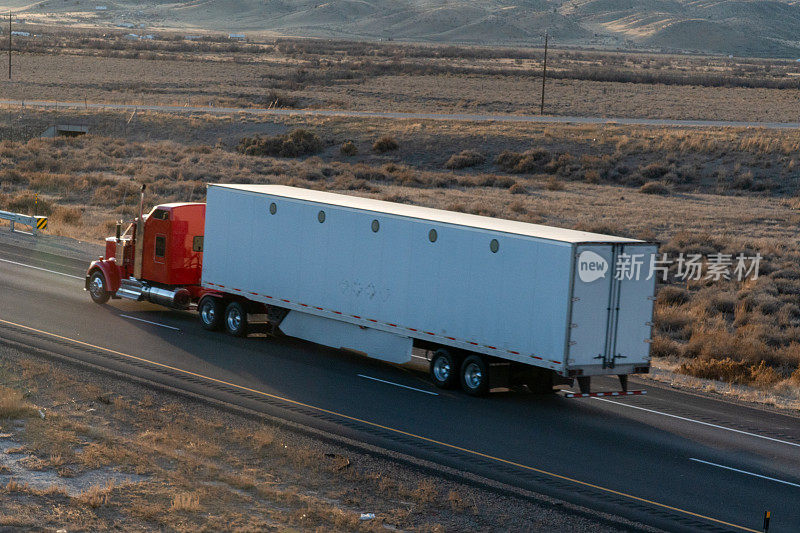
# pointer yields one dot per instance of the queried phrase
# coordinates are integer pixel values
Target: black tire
(98, 287)
(444, 369)
(235, 320)
(209, 309)
(474, 376)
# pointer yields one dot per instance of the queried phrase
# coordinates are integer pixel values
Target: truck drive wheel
(236, 320)
(475, 376)
(97, 287)
(444, 369)
(210, 311)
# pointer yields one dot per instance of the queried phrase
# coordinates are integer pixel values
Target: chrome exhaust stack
(176, 298)
(133, 289)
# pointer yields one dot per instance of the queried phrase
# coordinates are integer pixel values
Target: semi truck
(491, 302)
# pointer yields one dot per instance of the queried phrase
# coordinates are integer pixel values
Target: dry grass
(185, 501)
(12, 404)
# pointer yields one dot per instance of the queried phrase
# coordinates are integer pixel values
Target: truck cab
(159, 258)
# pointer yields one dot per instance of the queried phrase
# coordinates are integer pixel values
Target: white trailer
(489, 299)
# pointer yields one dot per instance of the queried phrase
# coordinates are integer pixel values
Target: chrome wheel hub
(234, 320)
(473, 376)
(208, 313)
(96, 286)
(441, 369)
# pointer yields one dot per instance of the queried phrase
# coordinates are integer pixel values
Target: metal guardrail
(36, 223)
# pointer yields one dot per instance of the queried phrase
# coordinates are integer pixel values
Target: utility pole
(9, 45)
(544, 73)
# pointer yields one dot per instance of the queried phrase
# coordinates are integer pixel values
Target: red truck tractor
(159, 259)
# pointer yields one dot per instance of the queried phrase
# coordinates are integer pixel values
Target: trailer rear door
(591, 293)
(612, 307)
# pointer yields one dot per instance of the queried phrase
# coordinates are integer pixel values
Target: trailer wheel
(236, 319)
(97, 287)
(444, 369)
(475, 376)
(210, 311)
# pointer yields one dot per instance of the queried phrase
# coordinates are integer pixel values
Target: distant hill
(739, 27)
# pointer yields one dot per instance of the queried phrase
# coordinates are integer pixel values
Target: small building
(65, 130)
(21, 33)
(101, 8)
(132, 37)
(236, 36)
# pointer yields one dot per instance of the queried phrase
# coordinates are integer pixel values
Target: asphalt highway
(674, 460)
(458, 117)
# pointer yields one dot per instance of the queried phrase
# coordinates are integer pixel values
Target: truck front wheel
(475, 376)
(97, 287)
(210, 311)
(444, 369)
(236, 319)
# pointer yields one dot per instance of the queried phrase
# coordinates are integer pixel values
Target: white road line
(42, 269)
(744, 472)
(397, 384)
(701, 422)
(147, 321)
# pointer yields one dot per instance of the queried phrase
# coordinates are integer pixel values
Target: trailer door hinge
(651, 298)
(648, 341)
(575, 299)
(573, 325)
(649, 324)
(572, 343)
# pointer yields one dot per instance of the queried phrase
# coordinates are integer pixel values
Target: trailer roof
(435, 215)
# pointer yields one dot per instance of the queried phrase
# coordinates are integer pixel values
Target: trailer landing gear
(585, 384)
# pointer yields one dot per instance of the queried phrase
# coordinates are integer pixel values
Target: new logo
(591, 266)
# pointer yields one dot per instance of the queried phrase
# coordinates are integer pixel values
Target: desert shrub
(664, 347)
(8, 175)
(66, 215)
(591, 176)
(533, 160)
(491, 180)
(348, 148)
(672, 295)
(12, 404)
(712, 343)
(297, 143)
(721, 302)
(743, 181)
(732, 371)
(517, 188)
(673, 322)
(554, 184)
(467, 158)
(27, 204)
(654, 187)
(386, 143)
(653, 171)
